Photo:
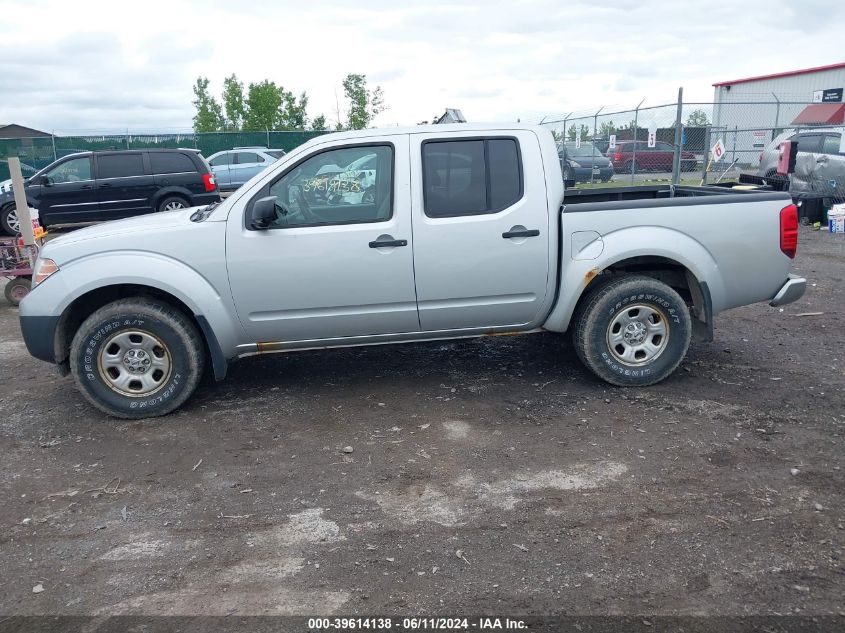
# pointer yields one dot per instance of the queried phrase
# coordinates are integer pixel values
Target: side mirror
(43, 179)
(263, 213)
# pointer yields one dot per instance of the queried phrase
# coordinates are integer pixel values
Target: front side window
(119, 165)
(340, 186)
(72, 170)
(809, 142)
(246, 158)
(470, 177)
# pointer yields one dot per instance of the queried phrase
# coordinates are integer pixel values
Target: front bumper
(39, 335)
(582, 174)
(791, 291)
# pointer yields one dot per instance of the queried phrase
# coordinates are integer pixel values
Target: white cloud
(110, 65)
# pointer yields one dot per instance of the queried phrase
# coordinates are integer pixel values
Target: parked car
(94, 186)
(637, 156)
(468, 234)
(584, 163)
(234, 167)
(819, 164)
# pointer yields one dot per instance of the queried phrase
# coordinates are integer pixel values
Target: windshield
(586, 149)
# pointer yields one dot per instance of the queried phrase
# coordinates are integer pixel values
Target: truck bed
(663, 195)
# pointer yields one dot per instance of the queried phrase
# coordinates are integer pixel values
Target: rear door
(70, 194)
(480, 218)
(125, 186)
(244, 167)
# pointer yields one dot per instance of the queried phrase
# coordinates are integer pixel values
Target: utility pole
(679, 135)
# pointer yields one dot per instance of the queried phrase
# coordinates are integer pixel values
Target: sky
(90, 66)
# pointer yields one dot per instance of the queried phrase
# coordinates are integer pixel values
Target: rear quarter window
(120, 165)
(171, 163)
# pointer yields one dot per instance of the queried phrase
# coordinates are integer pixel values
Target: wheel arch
(89, 302)
(687, 267)
(167, 192)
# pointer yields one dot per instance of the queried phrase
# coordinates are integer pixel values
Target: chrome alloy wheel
(638, 334)
(174, 205)
(13, 220)
(134, 363)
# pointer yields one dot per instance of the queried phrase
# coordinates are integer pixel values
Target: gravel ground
(490, 475)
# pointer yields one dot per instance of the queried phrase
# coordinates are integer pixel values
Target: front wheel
(137, 358)
(632, 331)
(9, 221)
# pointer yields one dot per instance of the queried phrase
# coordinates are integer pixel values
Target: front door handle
(105, 185)
(380, 243)
(521, 233)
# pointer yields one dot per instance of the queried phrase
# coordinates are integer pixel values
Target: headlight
(43, 269)
(572, 163)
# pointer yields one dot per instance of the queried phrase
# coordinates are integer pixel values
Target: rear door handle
(105, 185)
(521, 233)
(388, 243)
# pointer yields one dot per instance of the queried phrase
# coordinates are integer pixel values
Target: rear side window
(244, 158)
(120, 165)
(170, 163)
(831, 144)
(470, 177)
(221, 160)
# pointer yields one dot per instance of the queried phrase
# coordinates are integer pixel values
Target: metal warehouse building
(748, 113)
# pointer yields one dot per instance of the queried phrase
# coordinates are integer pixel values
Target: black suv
(94, 186)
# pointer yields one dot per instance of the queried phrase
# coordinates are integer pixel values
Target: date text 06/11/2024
(416, 624)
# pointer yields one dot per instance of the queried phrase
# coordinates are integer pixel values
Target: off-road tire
(182, 342)
(596, 313)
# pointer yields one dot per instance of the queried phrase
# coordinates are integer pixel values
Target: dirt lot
(485, 475)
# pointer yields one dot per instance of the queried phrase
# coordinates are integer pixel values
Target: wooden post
(21, 205)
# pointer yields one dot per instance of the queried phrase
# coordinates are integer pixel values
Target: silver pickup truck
(451, 231)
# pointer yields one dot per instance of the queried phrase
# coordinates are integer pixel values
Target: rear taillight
(208, 181)
(617, 156)
(789, 230)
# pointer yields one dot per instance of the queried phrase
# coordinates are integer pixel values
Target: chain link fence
(674, 142)
(38, 152)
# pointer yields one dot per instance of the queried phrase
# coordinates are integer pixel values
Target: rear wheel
(9, 221)
(137, 358)
(632, 331)
(17, 289)
(172, 203)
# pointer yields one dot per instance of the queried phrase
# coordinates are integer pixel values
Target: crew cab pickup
(465, 232)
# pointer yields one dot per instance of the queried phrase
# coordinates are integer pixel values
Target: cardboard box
(836, 219)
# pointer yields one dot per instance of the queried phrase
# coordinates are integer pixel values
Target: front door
(69, 193)
(125, 185)
(481, 238)
(337, 262)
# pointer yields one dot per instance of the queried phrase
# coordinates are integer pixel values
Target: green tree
(263, 104)
(293, 114)
(209, 116)
(698, 118)
(233, 102)
(319, 123)
(572, 132)
(607, 128)
(364, 104)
